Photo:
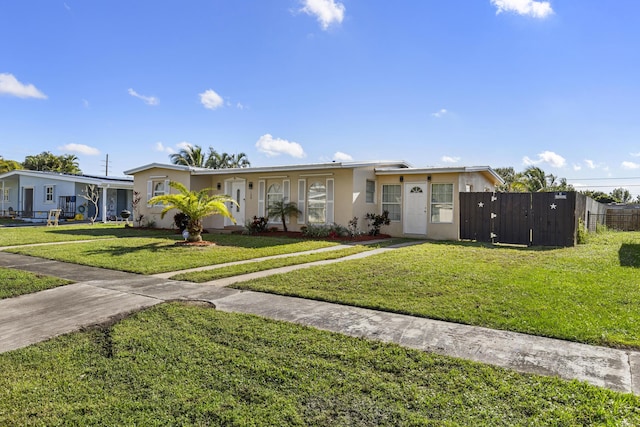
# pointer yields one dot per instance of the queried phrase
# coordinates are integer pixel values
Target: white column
(104, 205)
(2, 197)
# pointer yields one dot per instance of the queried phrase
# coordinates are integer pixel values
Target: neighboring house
(422, 202)
(30, 195)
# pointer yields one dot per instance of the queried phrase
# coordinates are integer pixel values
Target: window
(274, 194)
(155, 188)
(371, 192)
(158, 188)
(442, 203)
(317, 203)
(391, 197)
(48, 193)
(5, 196)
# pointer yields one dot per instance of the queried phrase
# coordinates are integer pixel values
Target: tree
(196, 205)
(190, 156)
(8, 165)
(92, 195)
(239, 160)
(282, 209)
(621, 195)
(512, 180)
(46, 161)
(194, 155)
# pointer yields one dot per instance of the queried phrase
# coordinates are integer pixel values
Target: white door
(415, 208)
(237, 192)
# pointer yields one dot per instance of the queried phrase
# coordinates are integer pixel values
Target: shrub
(376, 221)
(256, 225)
(324, 230)
(353, 227)
(582, 232)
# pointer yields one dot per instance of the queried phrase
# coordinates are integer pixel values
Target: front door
(28, 203)
(415, 208)
(237, 192)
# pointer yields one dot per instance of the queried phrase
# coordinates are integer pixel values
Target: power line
(601, 179)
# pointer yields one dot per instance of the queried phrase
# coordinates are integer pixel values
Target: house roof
(100, 181)
(486, 170)
(398, 164)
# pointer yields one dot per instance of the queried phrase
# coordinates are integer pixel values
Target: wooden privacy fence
(541, 219)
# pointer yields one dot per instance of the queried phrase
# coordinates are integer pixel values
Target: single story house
(30, 195)
(422, 202)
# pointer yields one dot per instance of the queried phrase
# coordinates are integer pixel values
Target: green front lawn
(589, 293)
(158, 255)
(10, 236)
(16, 282)
(252, 267)
(184, 365)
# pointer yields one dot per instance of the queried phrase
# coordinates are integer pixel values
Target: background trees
(194, 155)
(533, 179)
(46, 161)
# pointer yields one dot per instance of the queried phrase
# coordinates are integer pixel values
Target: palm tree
(535, 180)
(239, 160)
(196, 205)
(189, 156)
(282, 209)
(217, 160)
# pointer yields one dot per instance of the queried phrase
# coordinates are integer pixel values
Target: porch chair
(54, 216)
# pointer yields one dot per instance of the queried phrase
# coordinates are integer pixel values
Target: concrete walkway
(105, 295)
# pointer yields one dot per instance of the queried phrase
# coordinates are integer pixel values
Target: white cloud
(635, 154)
(342, 157)
(327, 12)
(535, 9)
(184, 145)
(80, 148)
(211, 100)
(630, 165)
(85, 103)
(9, 85)
(440, 113)
(577, 167)
(161, 147)
(549, 157)
(449, 159)
(149, 100)
(275, 146)
(590, 164)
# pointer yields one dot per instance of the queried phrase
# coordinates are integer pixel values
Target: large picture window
(391, 199)
(442, 203)
(317, 203)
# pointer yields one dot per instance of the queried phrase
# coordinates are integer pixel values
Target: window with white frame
(317, 203)
(442, 203)
(371, 192)
(157, 187)
(48, 193)
(275, 193)
(5, 195)
(391, 199)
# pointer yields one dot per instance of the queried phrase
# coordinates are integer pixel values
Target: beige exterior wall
(152, 213)
(349, 186)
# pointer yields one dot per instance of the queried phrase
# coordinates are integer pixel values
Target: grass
(10, 236)
(185, 365)
(15, 282)
(158, 255)
(589, 293)
(252, 267)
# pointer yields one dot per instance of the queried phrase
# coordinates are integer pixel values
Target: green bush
(256, 225)
(325, 230)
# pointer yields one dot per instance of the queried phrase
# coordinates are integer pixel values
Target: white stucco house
(422, 202)
(30, 195)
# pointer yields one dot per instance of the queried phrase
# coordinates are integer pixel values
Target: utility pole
(106, 168)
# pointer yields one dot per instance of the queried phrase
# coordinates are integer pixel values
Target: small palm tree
(283, 209)
(196, 205)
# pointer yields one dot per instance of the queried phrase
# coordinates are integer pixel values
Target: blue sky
(437, 83)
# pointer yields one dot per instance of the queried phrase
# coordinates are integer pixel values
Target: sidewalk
(104, 295)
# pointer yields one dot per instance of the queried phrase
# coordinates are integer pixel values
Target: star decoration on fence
(481, 205)
(553, 206)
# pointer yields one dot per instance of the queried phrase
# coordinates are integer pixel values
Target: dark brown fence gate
(541, 219)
